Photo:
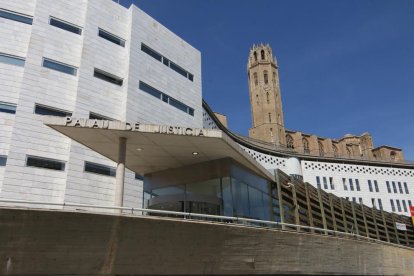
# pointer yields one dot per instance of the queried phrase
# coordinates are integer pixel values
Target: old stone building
(268, 122)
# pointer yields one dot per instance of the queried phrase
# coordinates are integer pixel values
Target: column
(120, 172)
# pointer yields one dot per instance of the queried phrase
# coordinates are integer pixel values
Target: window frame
(8, 111)
(111, 37)
(3, 160)
(65, 23)
(64, 113)
(16, 16)
(107, 77)
(63, 65)
(112, 170)
(16, 60)
(39, 158)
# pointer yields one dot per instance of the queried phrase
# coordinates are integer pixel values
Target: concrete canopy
(152, 148)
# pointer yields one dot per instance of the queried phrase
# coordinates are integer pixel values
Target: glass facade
(233, 191)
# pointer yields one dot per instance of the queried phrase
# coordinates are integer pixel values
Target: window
(351, 184)
(353, 199)
(348, 151)
(96, 116)
(394, 187)
(388, 186)
(335, 151)
(325, 183)
(305, 143)
(380, 203)
(65, 25)
(398, 205)
(344, 184)
(12, 60)
(256, 80)
(289, 142)
(265, 77)
(16, 16)
(262, 54)
(267, 97)
(47, 110)
(99, 169)
(392, 155)
(360, 200)
(100, 74)
(409, 203)
(404, 206)
(138, 177)
(165, 98)
(58, 66)
(331, 183)
(400, 188)
(321, 151)
(255, 56)
(270, 117)
(358, 188)
(146, 49)
(3, 160)
(45, 163)
(406, 188)
(376, 186)
(318, 182)
(7, 108)
(111, 37)
(373, 203)
(370, 185)
(392, 205)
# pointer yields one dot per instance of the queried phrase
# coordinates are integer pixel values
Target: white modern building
(99, 60)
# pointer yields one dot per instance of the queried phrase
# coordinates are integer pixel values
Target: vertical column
(331, 202)
(120, 172)
(322, 208)
(308, 203)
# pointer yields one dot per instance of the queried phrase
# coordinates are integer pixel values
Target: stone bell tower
(265, 98)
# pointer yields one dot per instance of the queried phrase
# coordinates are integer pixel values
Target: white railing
(248, 222)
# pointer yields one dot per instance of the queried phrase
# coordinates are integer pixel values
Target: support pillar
(120, 172)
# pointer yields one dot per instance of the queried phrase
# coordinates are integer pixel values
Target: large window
(165, 98)
(406, 188)
(358, 188)
(167, 62)
(370, 185)
(394, 187)
(58, 66)
(3, 160)
(318, 182)
(111, 37)
(289, 142)
(400, 188)
(12, 60)
(344, 184)
(7, 108)
(99, 169)
(392, 205)
(45, 163)
(65, 25)
(15, 16)
(351, 184)
(388, 186)
(376, 186)
(100, 74)
(47, 110)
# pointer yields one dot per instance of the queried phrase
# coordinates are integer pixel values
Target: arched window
(257, 99)
(348, 151)
(265, 77)
(289, 142)
(262, 54)
(305, 143)
(321, 150)
(267, 97)
(392, 155)
(255, 56)
(335, 151)
(256, 81)
(270, 117)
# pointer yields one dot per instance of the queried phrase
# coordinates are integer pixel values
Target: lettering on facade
(104, 124)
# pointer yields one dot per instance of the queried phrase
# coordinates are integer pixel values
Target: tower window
(321, 150)
(266, 77)
(256, 81)
(262, 54)
(392, 155)
(267, 97)
(270, 117)
(305, 143)
(255, 56)
(335, 151)
(289, 142)
(257, 99)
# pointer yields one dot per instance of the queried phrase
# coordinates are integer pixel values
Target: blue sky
(344, 66)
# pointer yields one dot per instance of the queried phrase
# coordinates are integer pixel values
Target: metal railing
(237, 221)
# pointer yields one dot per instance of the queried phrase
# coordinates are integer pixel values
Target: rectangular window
(353, 199)
(154, 54)
(65, 25)
(392, 205)
(3, 160)
(12, 60)
(404, 206)
(96, 116)
(58, 66)
(370, 185)
(373, 202)
(16, 16)
(7, 108)
(400, 188)
(146, 49)
(380, 203)
(360, 200)
(318, 182)
(47, 110)
(111, 37)
(331, 183)
(138, 177)
(344, 184)
(165, 98)
(99, 169)
(394, 187)
(406, 188)
(376, 186)
(100, 74)
(347, 198)
(398, 205)
(45, 163)
(358, 188)
(409, 203)
(351, 184)
(388, 186)
(325, 183)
